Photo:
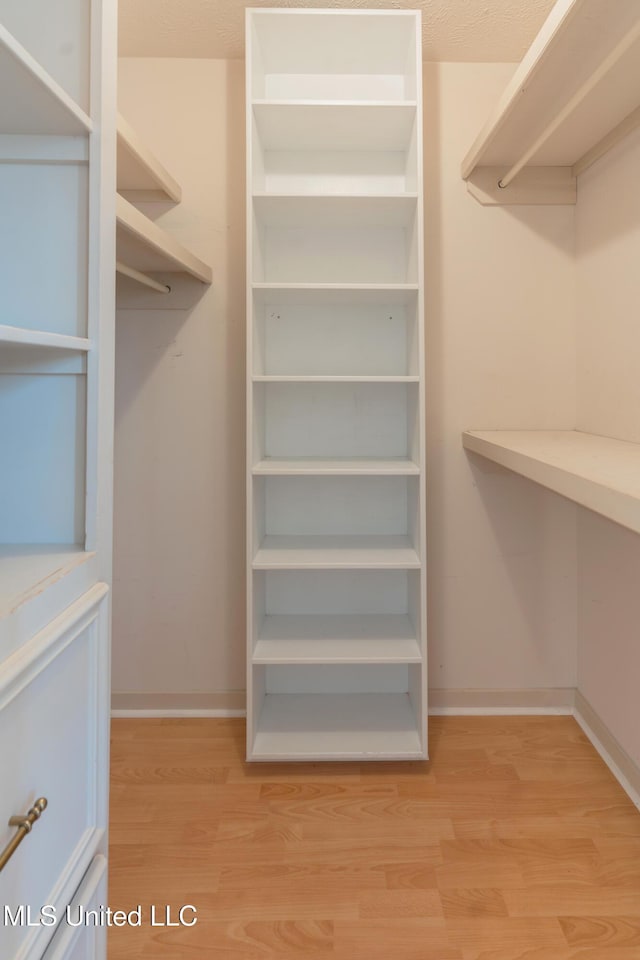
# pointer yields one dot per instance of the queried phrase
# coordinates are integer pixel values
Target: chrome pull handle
(24, 823)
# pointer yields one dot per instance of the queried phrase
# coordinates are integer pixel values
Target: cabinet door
(53, 744)
(87, 941)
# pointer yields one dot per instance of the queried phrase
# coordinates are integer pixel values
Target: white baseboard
(624, 769)
(557, 701)
(144, 705)
(455, 702)
(560, 701)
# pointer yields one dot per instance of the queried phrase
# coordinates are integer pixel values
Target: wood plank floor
(513, 843)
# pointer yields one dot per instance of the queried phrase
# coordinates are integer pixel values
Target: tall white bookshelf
(336, 639)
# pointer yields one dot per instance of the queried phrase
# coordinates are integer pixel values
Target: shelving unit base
(336, 726)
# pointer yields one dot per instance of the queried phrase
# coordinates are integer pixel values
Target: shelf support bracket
(534, 185)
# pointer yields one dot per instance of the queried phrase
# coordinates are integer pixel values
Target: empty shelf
(597, 472)
(299, 468)
(141, 176)
(355, 125)
(310, 294)
(322, 210)
(312, 378)
(578, 81)
(143, 245)
(33, 103)
(326, 638)
(354, 726)
(336, 552)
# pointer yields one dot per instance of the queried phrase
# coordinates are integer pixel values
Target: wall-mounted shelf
(574, 96)
(599, 473)
(144, 246)
(34, 103)
(141, 176)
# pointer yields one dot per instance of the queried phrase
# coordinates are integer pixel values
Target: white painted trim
(624, 769)
(471, 701)
(488, 711)
(228, 703)
(144, 714)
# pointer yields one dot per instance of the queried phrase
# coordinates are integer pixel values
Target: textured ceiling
(471, 30)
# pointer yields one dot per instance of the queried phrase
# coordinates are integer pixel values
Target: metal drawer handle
(24, 824)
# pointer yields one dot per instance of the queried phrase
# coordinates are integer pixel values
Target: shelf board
(338, 210)
(578, 81)
(599, 473)
(19, 337)
(33, 103)
(269, 378)
(335, 468)
(140, 175)
(143, 245)
(312, 294)
(329, 638)
(355, 125)
(355, 726)
(27, 570)
(336, 553)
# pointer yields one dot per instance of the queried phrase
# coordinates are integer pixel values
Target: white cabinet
(81, 938)
(336, 528)
(57, 193)
(54, 744)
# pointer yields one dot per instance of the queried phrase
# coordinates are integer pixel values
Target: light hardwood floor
(513, 843)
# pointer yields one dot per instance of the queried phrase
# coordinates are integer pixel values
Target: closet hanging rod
(126, 271)
(607, 64)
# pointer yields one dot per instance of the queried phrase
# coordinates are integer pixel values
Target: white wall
(179, 473)
(500, 355)
(608, 285)
(500, 340)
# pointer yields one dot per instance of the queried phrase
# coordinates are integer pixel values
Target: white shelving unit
(574, 96)
(57, 195)
(336, 531)
(599, 473)
(52, 354)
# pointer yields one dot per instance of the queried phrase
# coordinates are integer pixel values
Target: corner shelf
(141, 176)
(599, 473)
(36, 104)
(574, 96)
(143, 245)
